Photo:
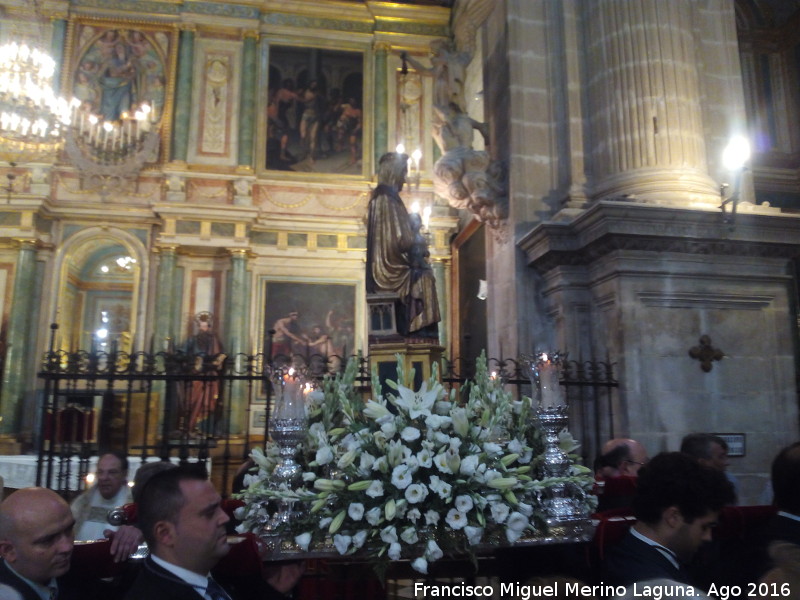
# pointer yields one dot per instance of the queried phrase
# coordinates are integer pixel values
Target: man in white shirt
(90, 509)
(181, 516)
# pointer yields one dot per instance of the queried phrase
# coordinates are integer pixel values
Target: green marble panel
(327, 241)
(10, 219)
(304, 22)
(264, 238)
(139, 6)
(223, 229)
(188, 227)
(297, 239)
(222, 10)
(357, 242)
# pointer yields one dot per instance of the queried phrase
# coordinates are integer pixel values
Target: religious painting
(310, 322)
(120, 69)
(315, 110)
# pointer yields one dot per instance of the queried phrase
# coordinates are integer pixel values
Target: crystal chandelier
(32, 117)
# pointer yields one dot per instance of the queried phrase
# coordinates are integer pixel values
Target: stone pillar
(183, 97)
(164, 329)
(247, 102)
(381, 103)
(646, 120)
(18, 353)
(237, 329)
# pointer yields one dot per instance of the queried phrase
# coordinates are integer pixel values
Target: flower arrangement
(413, 474)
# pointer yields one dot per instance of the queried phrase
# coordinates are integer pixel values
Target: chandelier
(32, 117)
(110, 154)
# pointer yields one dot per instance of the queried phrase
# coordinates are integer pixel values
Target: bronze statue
(396, 263)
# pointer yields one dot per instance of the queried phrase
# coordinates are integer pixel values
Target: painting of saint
(118, 70)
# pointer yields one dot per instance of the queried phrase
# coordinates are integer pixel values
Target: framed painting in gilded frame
(312, 322)
(315, 120)
(117, 66)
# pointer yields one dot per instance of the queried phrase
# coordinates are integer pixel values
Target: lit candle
(426, 217)
(416, 155)
(552, 393)
(291, 404)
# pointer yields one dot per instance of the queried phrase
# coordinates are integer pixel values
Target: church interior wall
(531, 80)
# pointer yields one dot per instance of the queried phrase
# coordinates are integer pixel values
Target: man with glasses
(615, 472)
(91, 508)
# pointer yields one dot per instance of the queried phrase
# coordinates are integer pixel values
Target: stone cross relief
(706, 353)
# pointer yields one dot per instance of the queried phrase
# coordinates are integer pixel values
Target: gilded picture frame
(315, 120)
(313, 322)
(116, 65)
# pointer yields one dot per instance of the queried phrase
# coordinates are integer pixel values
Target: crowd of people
(675, 500)
(674, 509)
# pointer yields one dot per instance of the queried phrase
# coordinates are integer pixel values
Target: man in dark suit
(181, 516)
(785, 525)
(786, 486)
(676, 505)
(36, 539)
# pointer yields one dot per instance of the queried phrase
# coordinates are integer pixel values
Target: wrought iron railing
(139, 403)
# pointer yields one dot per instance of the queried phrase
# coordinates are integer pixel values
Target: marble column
(247, 101)
(237, 330)
(441, 271)
(645, 113)
(381, 100)
(164, 328)
(18, 352)
(57, 50)
(183, 97)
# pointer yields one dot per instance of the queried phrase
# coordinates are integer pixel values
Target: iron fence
(142, 404)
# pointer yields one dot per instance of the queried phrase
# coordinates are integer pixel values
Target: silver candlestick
(563, 501)
(288, 427)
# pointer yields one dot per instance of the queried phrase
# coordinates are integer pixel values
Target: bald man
(621, 456)
(36, 538)
(616, 470)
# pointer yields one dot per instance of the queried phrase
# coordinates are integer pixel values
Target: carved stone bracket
(470, 179)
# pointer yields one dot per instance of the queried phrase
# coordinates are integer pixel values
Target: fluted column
(381, 100)
(164, 328)
(247, 101)
(18, 353)
(645, 101)
(237, 329)
(183, 96)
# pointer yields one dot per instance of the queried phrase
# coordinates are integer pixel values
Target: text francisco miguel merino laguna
(557, 589)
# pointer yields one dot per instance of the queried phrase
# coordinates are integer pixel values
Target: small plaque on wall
(736, 443)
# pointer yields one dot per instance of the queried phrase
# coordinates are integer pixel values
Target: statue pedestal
(416, 353)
